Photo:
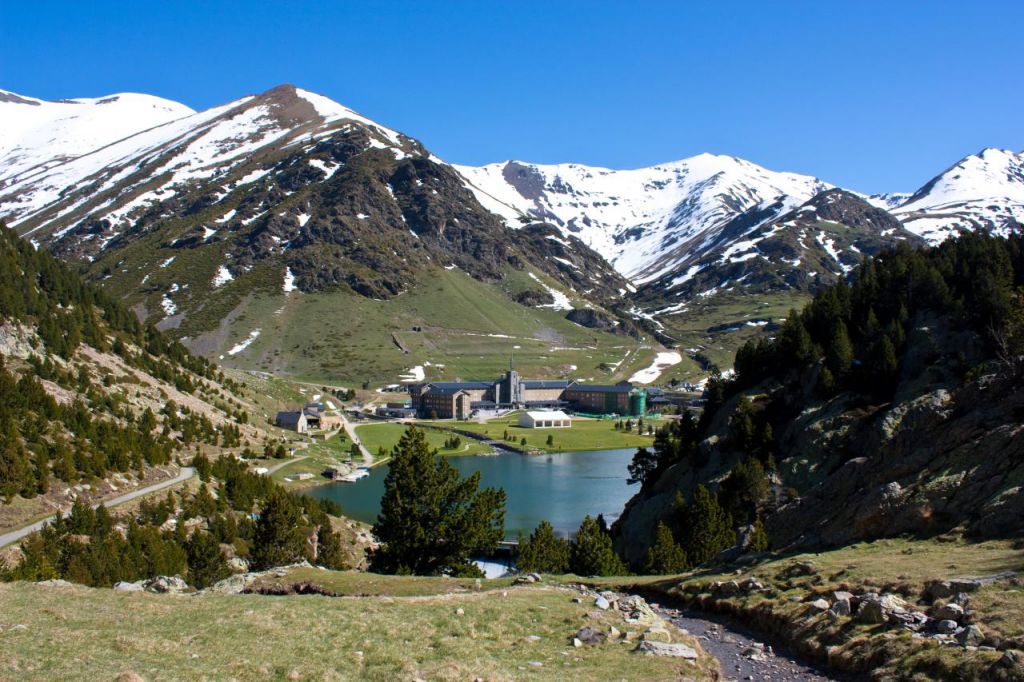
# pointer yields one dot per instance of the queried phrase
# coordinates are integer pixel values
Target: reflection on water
(560, 487)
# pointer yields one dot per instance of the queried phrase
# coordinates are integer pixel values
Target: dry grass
(82, 633)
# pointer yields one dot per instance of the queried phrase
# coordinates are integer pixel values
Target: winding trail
(183, 475)
(351, 431)
(282, 465)
(745, 656)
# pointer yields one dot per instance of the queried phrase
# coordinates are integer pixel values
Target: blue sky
(876, 96)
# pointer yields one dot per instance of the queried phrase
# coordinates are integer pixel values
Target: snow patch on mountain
(244, 343)
(561, 302)
(222, 277)
(662, 361)
(37, 134)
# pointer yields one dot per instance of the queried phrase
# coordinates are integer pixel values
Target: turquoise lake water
(560, 487)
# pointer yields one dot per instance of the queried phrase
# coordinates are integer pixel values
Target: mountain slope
(38, 135)
(91, 400)
(983, 191)
(240, 211)
(643, 221)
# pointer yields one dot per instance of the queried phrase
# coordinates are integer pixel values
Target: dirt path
(744, 656)
(350, 430)
(282, 465)
(185, 474)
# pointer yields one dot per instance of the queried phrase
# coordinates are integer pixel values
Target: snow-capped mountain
(115, 180)
(37, 135)
(274, 195)
(981, 191)
(647, 221)
(810, 246)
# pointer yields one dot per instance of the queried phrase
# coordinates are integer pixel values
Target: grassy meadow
(451, 630)
(467, 330)
(376, 436)
(584, 434)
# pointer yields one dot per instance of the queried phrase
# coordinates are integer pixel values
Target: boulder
(818, 605)
(946, 627)
(166, 584)
(875, 608)
(751, 585)
(729, 588)
(657, 633)
(938, 589)
(589, 636)
(124, 586)
(663, 649)
(1012, 659)
(602, 603)
(970, 636)
(949, 612)
(840, 595)
(965, 584)
(842, 607)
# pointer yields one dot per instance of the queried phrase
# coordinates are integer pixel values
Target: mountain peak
(980, 191)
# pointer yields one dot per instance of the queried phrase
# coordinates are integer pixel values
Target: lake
(560, 487)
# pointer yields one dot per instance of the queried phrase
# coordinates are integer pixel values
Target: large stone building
(458, 399)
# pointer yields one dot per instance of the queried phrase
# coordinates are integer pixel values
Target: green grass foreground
(84, 633)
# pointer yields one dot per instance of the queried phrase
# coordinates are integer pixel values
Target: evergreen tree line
(89, 438)
(259, 519)
(39, 290)
(857, 331)
(589, 552)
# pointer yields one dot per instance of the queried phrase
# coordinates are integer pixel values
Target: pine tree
(329, 553)
(744, 489)
(708, 529)
(543, 551)
(279, 538)
(431, 521)
(591, 552)
(839, 356)
(15, 470)
(665, 557)
(206, 563)
(758, 538)
(644, 464)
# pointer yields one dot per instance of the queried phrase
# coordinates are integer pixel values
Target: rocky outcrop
(941, 455)
(595, 319)
(929, 464)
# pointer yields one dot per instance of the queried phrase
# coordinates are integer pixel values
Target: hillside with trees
(890, 404)
(232, 513)
(89, 395)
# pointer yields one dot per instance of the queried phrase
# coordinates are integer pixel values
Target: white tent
(545, 420)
